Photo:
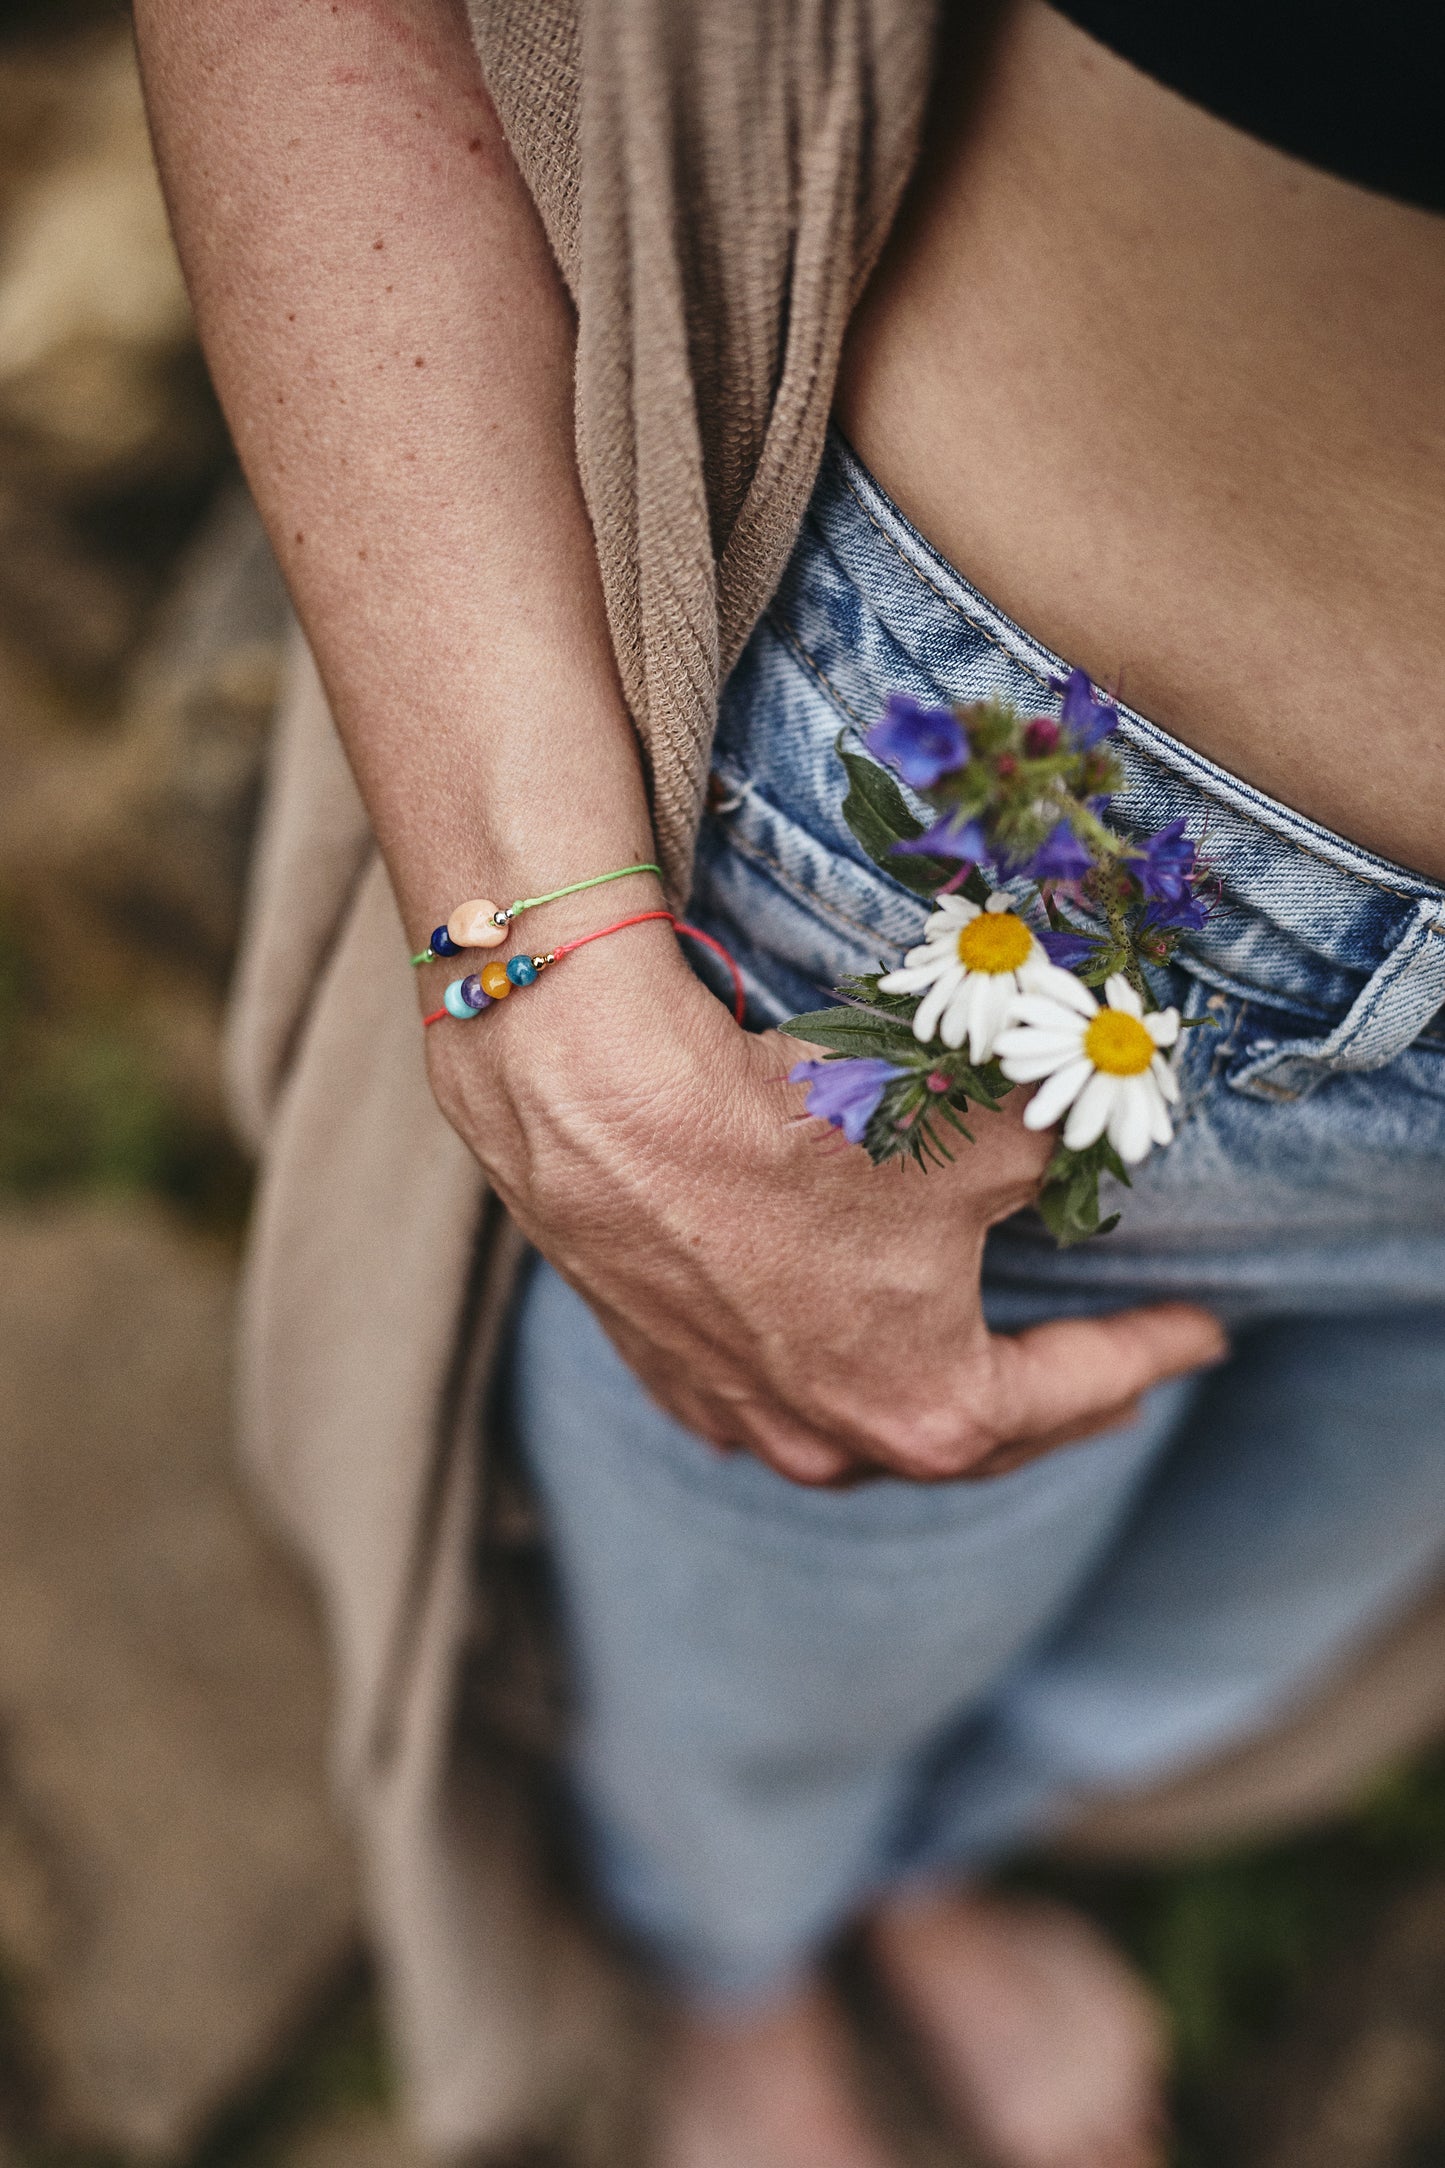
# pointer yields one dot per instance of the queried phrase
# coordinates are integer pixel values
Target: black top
(1354, 86)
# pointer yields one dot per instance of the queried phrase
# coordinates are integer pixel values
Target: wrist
(616, 1019)
(531, 923)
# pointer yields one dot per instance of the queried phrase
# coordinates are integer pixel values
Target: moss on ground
(85, 1108)
(1235, 1945)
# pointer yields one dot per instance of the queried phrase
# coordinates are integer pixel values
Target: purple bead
(474, 992)
(442, 943)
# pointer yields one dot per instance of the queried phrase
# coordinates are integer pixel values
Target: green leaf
(853, 1031)
(1068, 1202)
(877, 813)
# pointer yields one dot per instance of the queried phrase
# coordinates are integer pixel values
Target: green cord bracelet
(481, 924)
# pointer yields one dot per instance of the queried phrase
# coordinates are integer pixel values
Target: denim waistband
(1329, 934)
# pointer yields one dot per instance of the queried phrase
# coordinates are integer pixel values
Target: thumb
(1060, 1381)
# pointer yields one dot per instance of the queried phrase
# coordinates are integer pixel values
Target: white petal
(1120, 995)
(1042, 977)
(910, 981)
(1161, 1129)
(1162, 1026)
(1091, 1111)
(956, 1017)
(952, 915)
(1034, 1039)
(998, 901)
(1165, 1078)
(1051, 1015)
(1061, 1090)
(933, 1004)
(1029, 1068)
(932, 952)
(990, 1007)
(1036, 1054)
(1129, 1122)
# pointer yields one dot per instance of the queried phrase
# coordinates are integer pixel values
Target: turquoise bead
(457, 1003)
(521, 970)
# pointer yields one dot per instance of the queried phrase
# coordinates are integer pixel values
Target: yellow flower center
(1119, 1043)
(994, 941)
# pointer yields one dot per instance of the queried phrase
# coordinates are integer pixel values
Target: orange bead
(495, 981)
(472, 925)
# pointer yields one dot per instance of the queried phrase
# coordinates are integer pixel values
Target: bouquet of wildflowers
(1033, 977)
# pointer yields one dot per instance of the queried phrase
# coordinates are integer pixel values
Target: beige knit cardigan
(716, 177)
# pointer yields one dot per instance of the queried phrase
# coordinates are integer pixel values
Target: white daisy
(969, 965)
(1103, 1065)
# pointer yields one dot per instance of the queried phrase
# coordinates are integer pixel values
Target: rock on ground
(109, 438)
(360, 2138)
(124, 854)
(1361, 2083)
(150, 834)
(174, 1892)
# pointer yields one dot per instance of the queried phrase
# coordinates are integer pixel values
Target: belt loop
(1390, 1012)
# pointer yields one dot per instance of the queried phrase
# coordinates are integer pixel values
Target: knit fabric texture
(716, 178)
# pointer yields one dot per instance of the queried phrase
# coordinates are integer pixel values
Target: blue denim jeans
(792, 1701)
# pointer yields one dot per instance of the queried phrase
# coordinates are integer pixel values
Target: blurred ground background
(181, 1974)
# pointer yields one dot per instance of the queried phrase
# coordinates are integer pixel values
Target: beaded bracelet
(468, 997)
(481, 924)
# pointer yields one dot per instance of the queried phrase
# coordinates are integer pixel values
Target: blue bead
(456, 1001)
(442, 943)
(474, 992)
(521, 971)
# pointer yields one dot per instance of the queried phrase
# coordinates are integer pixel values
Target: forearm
(393, 347)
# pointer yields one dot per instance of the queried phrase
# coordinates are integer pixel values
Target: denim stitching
(1302, 1050)
(793, 639)
(946, 599)
(1144, 752)
(747, 848)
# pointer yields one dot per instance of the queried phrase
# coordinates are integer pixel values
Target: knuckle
(933, 1445)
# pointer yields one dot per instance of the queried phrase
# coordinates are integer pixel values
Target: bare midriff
(1176, 403)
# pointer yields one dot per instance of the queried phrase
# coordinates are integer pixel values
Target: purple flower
(1185, 914)
(845, 1093)
(921, 743)
(1060, 857)
(1165, 866)
(951, 836)
(1086, 719)
(1067, 949)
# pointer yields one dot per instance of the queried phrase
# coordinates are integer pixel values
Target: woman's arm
(393, 347)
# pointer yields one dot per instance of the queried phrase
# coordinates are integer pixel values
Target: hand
(773, 1294)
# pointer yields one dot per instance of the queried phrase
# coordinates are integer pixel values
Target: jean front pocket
(797, 912)
(1401, 997)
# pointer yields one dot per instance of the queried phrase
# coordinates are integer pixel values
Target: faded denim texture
(792, 1700)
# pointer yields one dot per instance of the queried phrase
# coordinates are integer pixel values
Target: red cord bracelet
(467, 997)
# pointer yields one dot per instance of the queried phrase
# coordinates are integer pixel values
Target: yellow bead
(495, 981)
(472, 925)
